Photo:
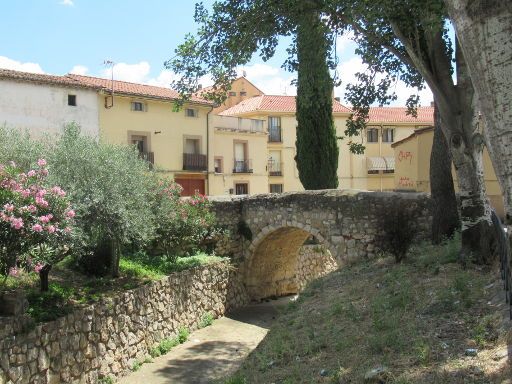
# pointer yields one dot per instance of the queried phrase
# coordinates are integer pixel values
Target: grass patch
(415, 318)
(143, 265)
(167, 344)
(206, 320)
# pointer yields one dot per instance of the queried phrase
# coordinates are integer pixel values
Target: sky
(78, 36)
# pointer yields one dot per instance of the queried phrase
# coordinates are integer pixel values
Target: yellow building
(241, 89)
(412, 157)
(142, 115)
(279, 114)
(237, 156)
(374, 170)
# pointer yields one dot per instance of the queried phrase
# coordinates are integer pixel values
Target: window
(373, 172)
(276, 188)
(274, 129)
(232, 94)
(241, 189)
(192, 146)
(138, 106)
(372, 135)
(389, 171)
(191, 112)
(217, 163)
(243, 93)
(388, 135)
(72, 100)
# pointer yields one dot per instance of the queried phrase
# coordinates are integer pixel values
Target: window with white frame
(191, 112)
(138, 106)
(276, 188)
(388, 135)
(372, 135)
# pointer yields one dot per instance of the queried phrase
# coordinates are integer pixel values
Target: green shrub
(183, 334)
(206, 320)
(167, 344)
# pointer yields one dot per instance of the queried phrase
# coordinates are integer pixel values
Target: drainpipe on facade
(380, 153)
(208, 152)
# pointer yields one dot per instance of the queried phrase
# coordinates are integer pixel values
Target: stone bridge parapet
(269, 230)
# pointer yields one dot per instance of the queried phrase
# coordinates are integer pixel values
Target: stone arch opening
(283, 260)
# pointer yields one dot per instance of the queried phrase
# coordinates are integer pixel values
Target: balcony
(237, 124)
(275, 168)
(194, 162)
(149, 157)
(242, 166)
(274, 135)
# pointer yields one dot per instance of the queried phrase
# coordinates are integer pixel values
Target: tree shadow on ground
(204, 362)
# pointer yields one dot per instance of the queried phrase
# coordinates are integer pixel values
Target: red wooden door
(191, 186)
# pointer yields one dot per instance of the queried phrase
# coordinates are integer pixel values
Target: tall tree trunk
(484, 29)
(317, 148)
(44, 277)
(459, 121)
(115, 255)
(446, 220)
(466, 146)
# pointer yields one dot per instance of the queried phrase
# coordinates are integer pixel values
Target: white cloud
(271, 80)
(7, 63)
(345, 43)
(67, 3)
(347, 72)
(79, 70)
(134, 73)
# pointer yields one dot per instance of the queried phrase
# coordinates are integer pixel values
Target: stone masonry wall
(105, 339)
(314, 261)
(267, 230)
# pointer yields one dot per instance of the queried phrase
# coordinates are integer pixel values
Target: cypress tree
(317, 149)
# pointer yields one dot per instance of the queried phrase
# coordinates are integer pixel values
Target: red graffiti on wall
(405, 182)
(405, 155)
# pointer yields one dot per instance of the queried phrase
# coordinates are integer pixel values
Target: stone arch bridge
(268, 232)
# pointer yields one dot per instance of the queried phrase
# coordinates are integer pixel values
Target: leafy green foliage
(206, 320)
(317, 149)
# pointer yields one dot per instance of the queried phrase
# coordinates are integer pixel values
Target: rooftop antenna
(244, 73)
(109, 63)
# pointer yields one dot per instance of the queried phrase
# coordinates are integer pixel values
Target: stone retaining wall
(106, 339)
(314, 261)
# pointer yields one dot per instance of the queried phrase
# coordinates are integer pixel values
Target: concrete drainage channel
(213, 352)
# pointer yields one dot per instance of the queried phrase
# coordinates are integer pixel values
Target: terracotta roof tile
(271, 103)
(399, 115)
(143, 90)
(43, 78)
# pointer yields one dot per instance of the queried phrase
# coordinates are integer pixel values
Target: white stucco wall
(43, 108)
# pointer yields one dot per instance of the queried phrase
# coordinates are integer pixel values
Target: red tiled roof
(43, 78)
(271, 103)
(398, 115)
(127, 88)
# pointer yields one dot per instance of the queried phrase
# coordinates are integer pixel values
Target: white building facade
(44, 104)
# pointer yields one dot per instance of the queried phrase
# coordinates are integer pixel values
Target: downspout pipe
(208, 151)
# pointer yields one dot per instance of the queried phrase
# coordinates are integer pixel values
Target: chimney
(432, 104)
(199, 87)
(244, 74)
(337, 99)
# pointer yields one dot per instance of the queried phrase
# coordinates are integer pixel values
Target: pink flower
(37, 228)
(25, 193)
(67, 230)
(51, 229)
(41, 193)
(38, 267)
(5, 217)
(31, 208)
(41, 162)
(44, 219)
(58, 191)
(41, 202)
(31, 173)
(70, 213)
(17, 222)
(44, 172)
(9, 207)
(13, 271)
